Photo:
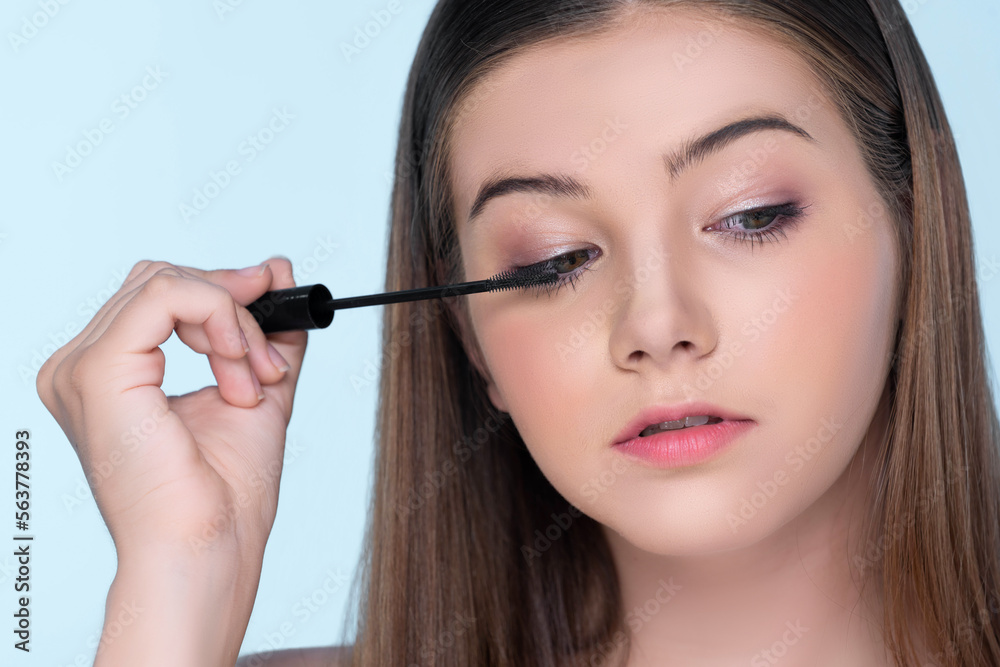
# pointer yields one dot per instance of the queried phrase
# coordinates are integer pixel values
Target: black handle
(293, 309)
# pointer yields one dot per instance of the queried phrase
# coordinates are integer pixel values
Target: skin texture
(701, 316)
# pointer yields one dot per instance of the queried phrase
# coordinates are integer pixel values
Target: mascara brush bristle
(518, 278)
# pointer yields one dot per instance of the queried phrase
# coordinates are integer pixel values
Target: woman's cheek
(827, 353)
(550, 396)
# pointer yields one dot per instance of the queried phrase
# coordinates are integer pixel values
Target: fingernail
(253, 271)
(243, 338)
(276, 359)
(256, 385)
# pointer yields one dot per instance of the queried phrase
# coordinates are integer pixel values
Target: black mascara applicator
(312, 306)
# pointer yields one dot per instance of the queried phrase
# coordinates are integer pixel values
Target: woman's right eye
(569, 265)
(569, 261)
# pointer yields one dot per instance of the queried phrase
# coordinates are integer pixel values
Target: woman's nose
(662, 316)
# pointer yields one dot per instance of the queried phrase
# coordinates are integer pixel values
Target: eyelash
(786, 216)
(568, 278)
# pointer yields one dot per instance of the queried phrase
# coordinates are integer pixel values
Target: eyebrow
(690, 153)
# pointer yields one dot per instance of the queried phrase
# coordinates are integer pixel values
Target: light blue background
(318, 194)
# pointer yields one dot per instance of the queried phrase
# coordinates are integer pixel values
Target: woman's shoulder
(316, 656)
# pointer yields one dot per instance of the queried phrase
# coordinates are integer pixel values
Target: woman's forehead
(663, 76)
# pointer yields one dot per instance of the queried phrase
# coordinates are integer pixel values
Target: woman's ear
(459, 315)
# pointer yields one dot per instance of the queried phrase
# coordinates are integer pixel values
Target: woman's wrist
(178, 607)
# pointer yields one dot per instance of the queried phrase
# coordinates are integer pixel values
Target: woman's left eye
(764, 224)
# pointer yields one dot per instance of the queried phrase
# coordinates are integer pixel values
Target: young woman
(751, 423)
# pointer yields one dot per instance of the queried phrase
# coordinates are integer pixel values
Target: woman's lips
(686, 446)
(657, 414)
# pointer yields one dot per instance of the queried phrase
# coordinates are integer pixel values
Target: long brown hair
(446, 578)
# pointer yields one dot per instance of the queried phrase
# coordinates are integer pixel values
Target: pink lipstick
(682, 435)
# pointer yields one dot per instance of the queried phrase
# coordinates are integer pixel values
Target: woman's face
(784, 317)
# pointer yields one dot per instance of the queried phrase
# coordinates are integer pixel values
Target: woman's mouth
(684, 442)
(687, 422)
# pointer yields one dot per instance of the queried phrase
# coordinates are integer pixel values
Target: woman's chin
(683, 538)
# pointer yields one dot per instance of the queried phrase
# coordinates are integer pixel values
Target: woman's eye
(755, 218)
(763, 224)
(570, 261)
(570, 267)
(756, 225)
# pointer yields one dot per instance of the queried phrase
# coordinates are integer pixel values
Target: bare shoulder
(316, 656)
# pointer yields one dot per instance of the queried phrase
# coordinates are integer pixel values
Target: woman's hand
(180, 475)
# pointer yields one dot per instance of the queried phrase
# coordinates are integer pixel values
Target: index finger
(247, 285)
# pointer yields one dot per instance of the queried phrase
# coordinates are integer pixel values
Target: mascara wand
(312, 306)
